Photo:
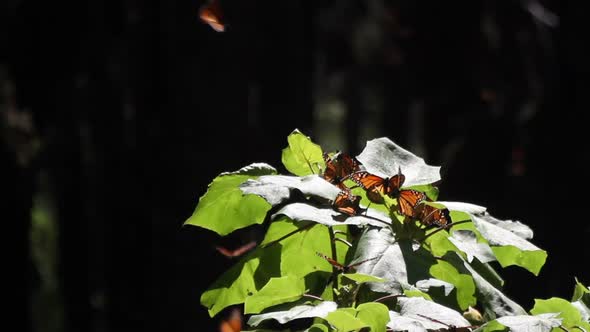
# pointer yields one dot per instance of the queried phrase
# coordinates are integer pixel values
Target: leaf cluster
(318, 269)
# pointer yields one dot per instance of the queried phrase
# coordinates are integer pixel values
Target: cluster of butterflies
(411, 203)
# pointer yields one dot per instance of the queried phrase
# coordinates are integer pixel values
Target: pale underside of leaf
(425, 285)
(383, 157)
(466, 241)
(417, 307)
(275, 189)
(303, 311)
(526, 323)
(330, 217)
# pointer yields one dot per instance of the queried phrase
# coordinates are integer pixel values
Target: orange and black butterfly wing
(211, 14)
(347, 203)
(430, 215)
(408, 200)
(330, 173)
(347, 165)
(395, 183)
(373, 184)
(339, 167)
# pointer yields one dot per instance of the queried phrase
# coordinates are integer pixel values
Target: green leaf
(302, 156)
(463, 283)
(276, 291)
(242, 280)
(376, 315)
(360, 278)
(344, 320)
(299, 252)
(279, 228)
(224, 208)
(532, 260)
(571, 316)
(428, 189)
(581, 292)
(417, 293)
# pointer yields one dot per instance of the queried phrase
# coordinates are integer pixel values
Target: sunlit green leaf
(532, 260)
(463, 283)
(360, 278)
(302, 156)
(344, 319)
(242, 280)
(276, 291)
(570, 315)
(417, 293)
(376, 315)
(224, 208)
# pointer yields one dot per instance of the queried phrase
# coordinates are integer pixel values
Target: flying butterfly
(429, 215)
(339, 167)
(344, 268)
(236, 252)
(377, 186)
(233, 323)
(347, 203)
(211, 14)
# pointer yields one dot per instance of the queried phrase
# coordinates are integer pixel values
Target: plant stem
(335, 258)
(386, 297)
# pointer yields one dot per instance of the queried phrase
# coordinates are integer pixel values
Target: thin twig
(313, 297)
(387, 297)
(445, 228)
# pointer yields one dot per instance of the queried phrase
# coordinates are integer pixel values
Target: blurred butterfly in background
(211, 14)
(431, 215)
(233, 323)
(344, 268)
(339, 167)
(377, 186)
(347, 203)
(236, 252)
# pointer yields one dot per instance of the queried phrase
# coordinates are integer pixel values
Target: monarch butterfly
(233, 323)
(236, 252)
(344, 268)
(339, 167)
(211, 14)
(376, 186)
(347, 203)
(430, 215)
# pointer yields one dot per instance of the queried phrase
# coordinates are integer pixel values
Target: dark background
(117, 114)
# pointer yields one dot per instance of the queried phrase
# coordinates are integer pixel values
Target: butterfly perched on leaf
(339, 167)
(211, 14)
(347, 203)
(233, 323)
(236, 252)
(377, 186)
(430, 215)
(344, 268)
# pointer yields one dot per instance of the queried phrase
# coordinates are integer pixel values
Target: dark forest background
(115, 116)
